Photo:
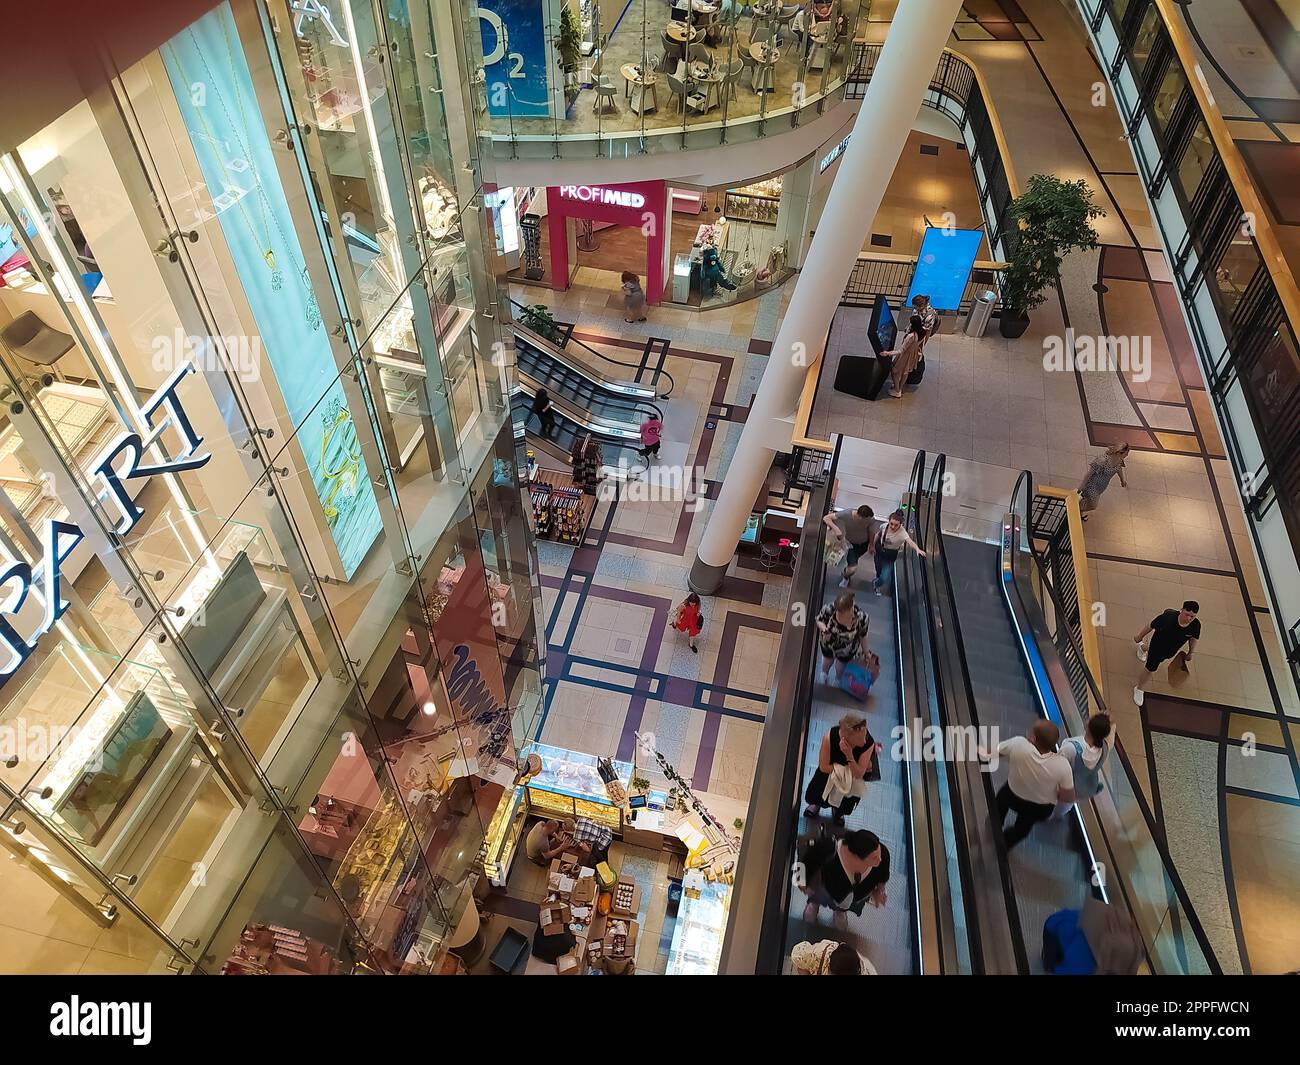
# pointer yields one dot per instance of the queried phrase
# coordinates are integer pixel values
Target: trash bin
(977, 320)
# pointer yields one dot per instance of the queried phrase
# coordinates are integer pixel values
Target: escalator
(1050, 870)
(584, 398)
(1005, 641)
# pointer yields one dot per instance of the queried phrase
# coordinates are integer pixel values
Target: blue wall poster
(214, 91)
(944, 266)
(514, 56)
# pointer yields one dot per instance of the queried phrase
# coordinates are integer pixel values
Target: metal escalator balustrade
(991, 907)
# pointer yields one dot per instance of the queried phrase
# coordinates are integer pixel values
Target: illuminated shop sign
(834, 153)
(60, 538)
(602, 194)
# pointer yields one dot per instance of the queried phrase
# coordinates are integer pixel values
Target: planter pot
(1012, 324)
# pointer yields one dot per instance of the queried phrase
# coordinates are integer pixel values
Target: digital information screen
(944, 266)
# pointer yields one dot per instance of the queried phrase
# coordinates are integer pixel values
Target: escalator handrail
(756, 927)
(571, 339)
(1025, 481)
(569, 412)
(634, 405)
(921, 492)
(1004, 864)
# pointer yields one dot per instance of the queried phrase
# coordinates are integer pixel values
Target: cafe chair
(606, 94)
(727, 90)
(760, 31)
(673, 51)
(749, 65)
(699, 54)
(678, 88)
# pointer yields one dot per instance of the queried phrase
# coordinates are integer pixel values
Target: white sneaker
(1139, 695)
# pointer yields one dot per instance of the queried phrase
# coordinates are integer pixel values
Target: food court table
(707, 82)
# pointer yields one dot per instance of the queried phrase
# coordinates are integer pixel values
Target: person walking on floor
(1100, 472)
(1037, 779)
(652, 431)
(690, 620)
(1162, 639)
(859, 529)
(892, 539)
(633, 298)
(843, 875)
(845, 762)
(842, 626)
(906, 356)
(545, 414)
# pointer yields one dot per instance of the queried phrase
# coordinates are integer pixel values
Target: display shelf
(696, 947)
(569, 785)
(752, 207)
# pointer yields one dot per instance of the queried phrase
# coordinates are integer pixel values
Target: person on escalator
(1087, 753)
(892, 539)
(1037, 779)
(545, 415)
(842, 875)
(858, 529)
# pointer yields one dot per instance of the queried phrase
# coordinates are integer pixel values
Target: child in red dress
(689, 620)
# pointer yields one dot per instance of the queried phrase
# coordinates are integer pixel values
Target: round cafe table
(707, 83)
(640, 89)
(677, 31)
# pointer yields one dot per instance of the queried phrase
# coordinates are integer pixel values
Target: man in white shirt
(1037, 779)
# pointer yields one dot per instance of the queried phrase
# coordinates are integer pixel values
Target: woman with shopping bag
(845, 763)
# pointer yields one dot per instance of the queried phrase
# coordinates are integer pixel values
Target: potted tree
(1055, 218)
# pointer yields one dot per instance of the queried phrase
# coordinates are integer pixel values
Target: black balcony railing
(954, 91)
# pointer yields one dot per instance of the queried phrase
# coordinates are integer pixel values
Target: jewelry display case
(83, 421)
(115, 741)
(232, 608)
(701, 924)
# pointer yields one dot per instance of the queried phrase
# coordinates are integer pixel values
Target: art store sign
(121, 460)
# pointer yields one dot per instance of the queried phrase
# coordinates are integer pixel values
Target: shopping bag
(856, 681)
(835, 551)
(1178, 671)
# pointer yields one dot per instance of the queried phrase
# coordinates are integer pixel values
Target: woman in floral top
(842, 629)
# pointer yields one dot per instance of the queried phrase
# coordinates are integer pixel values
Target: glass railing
(1132, 867)
(662, 77)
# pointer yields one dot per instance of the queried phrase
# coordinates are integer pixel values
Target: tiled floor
(614, 665)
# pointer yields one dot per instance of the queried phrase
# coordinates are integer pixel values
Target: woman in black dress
(848, 744)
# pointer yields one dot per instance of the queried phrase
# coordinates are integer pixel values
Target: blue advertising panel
(514, 56)
(944, 266)
(214, 91)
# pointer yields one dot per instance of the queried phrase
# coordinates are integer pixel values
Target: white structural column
(913, 45)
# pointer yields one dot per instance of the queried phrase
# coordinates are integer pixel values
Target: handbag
(857, 681)
(1178, 671)
(835, 552)
(918, 372)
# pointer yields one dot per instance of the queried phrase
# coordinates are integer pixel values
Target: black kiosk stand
(864, 375)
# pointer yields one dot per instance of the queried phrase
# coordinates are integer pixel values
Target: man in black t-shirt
(1168, 633)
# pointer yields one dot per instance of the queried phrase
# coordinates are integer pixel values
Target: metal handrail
(1015, 928)
(755, 935)
(571, 339)
(1025, 482)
